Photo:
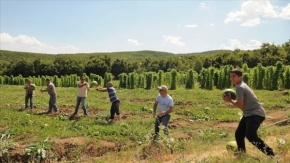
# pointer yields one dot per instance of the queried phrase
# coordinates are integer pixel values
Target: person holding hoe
(52, 93)
(165, 107)
(253, 115)
(29, 90)
(83, 87)
(115, 107)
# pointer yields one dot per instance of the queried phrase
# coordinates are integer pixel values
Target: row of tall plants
(259, 77)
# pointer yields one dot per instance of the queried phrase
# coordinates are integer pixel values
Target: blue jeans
(83, 101)
(52, 103)
(30, 98)
(164, 121)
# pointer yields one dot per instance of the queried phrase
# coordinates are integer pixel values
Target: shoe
(239, 153)
(275, 158)
(48, 112)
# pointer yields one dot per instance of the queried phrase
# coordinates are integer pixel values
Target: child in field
(29, 94)
(115, 107)
(253, 114)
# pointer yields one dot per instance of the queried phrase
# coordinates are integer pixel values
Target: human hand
(227, 98)
(162, 113)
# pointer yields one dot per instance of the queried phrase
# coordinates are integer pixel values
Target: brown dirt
(16, 154)
(64, 147)
(183, 135)
(275, 117)
(178, 123)
(229, 126)
(141, 99)
(2, 128)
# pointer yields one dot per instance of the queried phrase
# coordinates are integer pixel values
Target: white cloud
(202, 5)
(251, 22)
(251, 12)
(31, 44)
(285, 14)
(191, 26)
(235, 44)
(172, 41)
(209, 24)
(134, 42)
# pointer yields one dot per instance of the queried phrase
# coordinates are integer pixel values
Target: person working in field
(29, 94)
(253, 115)
(165, 107)
(52, 99)
(115, 107)
(83, 87)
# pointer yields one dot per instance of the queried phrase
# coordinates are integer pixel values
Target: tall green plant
(173, 84)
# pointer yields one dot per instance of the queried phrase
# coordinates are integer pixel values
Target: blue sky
(172, 26)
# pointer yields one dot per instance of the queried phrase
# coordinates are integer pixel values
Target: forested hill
(11, 56)
(33, 64)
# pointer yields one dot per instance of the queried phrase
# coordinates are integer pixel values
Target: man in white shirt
(165, 107)
(83, 87)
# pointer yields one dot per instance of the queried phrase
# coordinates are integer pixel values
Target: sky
(87, 26)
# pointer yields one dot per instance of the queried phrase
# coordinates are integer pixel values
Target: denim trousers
(247, 128)
(52, 103)
(164, 121)
(81, 100)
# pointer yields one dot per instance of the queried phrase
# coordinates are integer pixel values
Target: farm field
(200, 126)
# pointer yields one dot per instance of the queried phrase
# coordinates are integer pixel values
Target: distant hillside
(11, 56)
(205, 53)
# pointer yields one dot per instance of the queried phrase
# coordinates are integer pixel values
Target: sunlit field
(200, 126)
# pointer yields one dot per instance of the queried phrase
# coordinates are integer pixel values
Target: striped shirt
(112, 94)
(51, 89)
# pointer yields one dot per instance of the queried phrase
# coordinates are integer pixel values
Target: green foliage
(287, 78)
(39, 151)
(189, 79)
(173, 84)
(149, 80)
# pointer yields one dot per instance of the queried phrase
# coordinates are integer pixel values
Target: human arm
(238, 103)
(166, 112)
(101, 89)
(81, 85)
(46, 90)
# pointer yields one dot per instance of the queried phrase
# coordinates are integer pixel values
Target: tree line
(63, 65)
(259, 77)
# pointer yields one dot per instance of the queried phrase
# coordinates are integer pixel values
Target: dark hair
(47, 79)
(237, 72)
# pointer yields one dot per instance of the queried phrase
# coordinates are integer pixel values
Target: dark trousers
(164, 121)
(248, 127)
(115, 109)
(30, 98)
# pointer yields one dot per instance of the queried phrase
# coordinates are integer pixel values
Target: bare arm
(101, 89)
(81, 85)
(238, 103)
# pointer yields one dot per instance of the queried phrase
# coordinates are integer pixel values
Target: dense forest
(32, 64)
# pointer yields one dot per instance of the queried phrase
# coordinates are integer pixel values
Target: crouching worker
(165, 107)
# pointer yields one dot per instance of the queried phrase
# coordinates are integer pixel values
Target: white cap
(163, 87)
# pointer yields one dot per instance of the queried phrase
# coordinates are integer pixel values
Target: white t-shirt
(82, 91)
(164, 103)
